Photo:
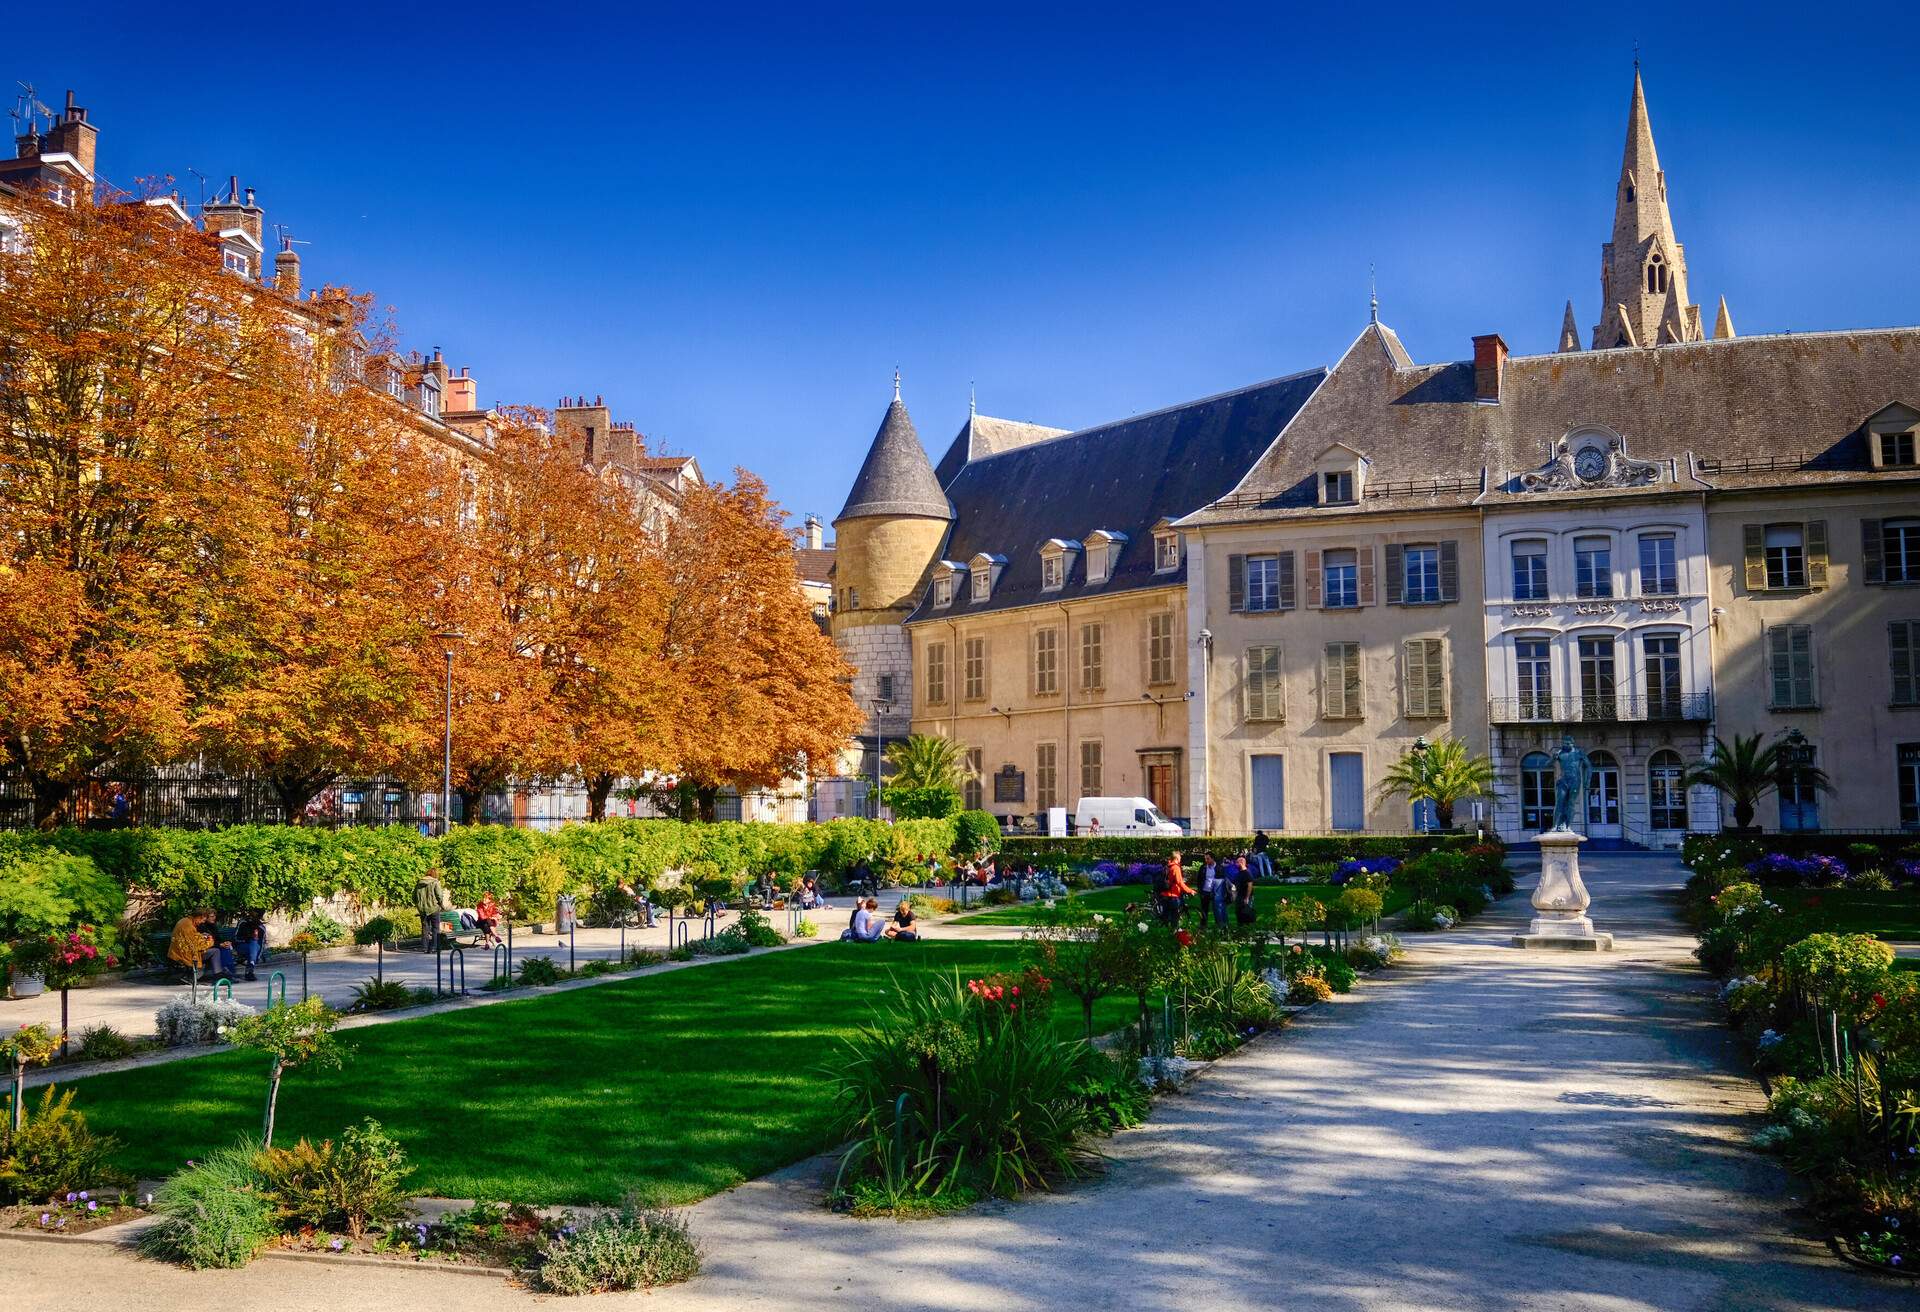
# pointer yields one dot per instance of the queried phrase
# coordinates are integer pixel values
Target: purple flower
(45, 1218)
(93, 1206)
(60, 1223)
(69, 1197)
(337, 1245)
(83, 1195)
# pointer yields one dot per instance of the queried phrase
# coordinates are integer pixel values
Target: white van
(1121, 815)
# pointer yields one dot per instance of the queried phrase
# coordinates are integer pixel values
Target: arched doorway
(1603, 796)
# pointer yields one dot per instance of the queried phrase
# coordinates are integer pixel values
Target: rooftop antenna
(205, 186)
(28, 110)
(972, 408)
(1636, 54)
(1373, 296)
(287, 240)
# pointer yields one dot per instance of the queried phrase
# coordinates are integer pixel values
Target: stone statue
(1570, 789)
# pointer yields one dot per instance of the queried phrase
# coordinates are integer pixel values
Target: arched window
(1536, 791)
(1666, 798)
(1656, 274)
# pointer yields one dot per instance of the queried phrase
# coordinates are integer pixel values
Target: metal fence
(1544, 709)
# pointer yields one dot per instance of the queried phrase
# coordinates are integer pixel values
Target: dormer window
(1166, 549)
(1339, 476)
(61, 193)
(1891, 434)
(430, 401)
(1051, 572)
(1336, 487)
(1896, 448)
(1056, 563)
(983, 572)
(237, 262)
(1103, 554)
(943, 590)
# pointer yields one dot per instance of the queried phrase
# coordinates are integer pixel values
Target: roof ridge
(1149, 414)
(1665, 347)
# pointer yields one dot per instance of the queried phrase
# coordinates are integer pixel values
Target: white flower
(1142, 927)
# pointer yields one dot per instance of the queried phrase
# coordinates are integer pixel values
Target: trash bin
(563, 914)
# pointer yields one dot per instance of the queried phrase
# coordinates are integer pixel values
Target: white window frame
(1166, 552)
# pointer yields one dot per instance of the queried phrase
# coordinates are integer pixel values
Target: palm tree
(927, 760)
(1747, 770)
(1442, 773)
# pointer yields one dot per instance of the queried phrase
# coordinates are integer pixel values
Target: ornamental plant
(291, 1037)
(1081, 953)
(30, 1045)
(64, 960)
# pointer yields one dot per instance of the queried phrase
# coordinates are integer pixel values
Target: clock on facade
(1591, 464)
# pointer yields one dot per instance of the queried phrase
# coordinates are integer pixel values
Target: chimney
(27, 144)
(463, 393)
(286, 270)
(438, 368)
(814, 539)
(1489, 363)
(72, 135)
(235, 210)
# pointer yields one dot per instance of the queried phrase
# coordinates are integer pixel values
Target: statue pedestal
(1561, 900)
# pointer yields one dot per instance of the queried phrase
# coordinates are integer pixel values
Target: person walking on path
(430, 898)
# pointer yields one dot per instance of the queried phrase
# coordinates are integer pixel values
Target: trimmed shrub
(630, 1249)
(357, 1182)
(393, 926)
(184, 1020)
(104, 1043)
(540, 971)
(46, 892)
(213, 1214)
(975, 832)
(1284, 851)
(53, 1151)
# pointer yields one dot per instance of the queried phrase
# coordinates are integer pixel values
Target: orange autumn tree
(763, 692)
(312, 669)
(124, 411)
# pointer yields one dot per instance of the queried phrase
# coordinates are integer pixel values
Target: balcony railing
(1697, 706)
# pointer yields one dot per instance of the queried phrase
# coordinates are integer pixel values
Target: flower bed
(1835, 1033)
(74, 1213)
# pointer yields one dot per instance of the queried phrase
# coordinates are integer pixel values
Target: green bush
(357, 1182)
(46, 892)
(975, 832)
(213, 1214)
(385, 995)
(639, 957)
(1285, 852)
(759, 933)
(1112, 1094)
(104, 1043)
(540, 971)
(53, 1151)
(1426, 915)
(934, 803)
(631, 1249)
(805, 928)
(327, 931)
(393, 926)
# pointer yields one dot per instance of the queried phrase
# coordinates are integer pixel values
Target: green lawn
(1849, 911)
(1109, 901)
(673, 1086)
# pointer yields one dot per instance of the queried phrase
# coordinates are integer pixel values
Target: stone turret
(887, 539)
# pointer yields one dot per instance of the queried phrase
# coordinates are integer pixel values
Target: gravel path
(1483, 1128)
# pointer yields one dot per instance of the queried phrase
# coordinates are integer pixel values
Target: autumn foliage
(220, 541)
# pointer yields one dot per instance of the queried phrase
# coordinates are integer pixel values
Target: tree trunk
(63, 1021)
(1742, 814)
(708, 798)
(599, 786)
(19, 1092)
(1443, 812)
(273, 1096)
(469, 805)
(1086, 1005)
(51, 799)
(294, 791)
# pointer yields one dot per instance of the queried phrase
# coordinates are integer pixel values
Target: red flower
(1184, 939)
(1016, 990)
(1880, 1001)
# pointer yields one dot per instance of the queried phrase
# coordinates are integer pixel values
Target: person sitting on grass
(902, 929)
(866, 925)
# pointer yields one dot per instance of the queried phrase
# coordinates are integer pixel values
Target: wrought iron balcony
(1631, 707)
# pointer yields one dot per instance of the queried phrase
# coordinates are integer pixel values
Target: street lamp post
(1420, 746)
(880, 708)
(446, 761)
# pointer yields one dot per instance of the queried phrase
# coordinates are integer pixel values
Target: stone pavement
(1481, 1129)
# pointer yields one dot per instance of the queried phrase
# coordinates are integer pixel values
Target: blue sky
(735, 225)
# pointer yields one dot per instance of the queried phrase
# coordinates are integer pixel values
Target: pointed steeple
(1643, 269)
(1722, 323)
(896, 479)
(1569, 331)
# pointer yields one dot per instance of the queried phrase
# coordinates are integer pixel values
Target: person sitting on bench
(192, 946)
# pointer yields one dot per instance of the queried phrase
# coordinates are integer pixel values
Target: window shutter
(1870, 551)
(1365, 556)
(1033, 663)
(1396, 573)
(1802, 652)
(1351, 673)
(1754, 542)
(1816, 553)
(1901, 644)
(1332, 682)
(1283, 568)
(1449, 571)
(1276, 699)
(1413, 681)
(1779, 667)
(1314, 596)
(1236, 583)
(1436, 678)
(1146, 652)
(1250, 696)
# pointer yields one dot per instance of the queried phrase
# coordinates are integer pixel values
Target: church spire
(1569, 331)
(1643, 269)
(1722, 323)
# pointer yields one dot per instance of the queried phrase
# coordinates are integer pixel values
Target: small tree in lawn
(30, 1045)
(1081, 953)
(296, 1036)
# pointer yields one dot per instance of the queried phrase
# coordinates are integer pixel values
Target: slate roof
(982, 436)
(1780, 410)
(1124, 476)
(897, 478)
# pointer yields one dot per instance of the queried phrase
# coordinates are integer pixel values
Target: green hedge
(284, 867)
(1283, 850)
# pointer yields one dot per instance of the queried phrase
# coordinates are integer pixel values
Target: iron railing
(1542, 709)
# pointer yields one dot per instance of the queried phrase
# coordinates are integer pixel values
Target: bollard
(453, 956)
(684, 927)
(379, 963)
(502, 969)
(218, 984)
(509, 947)
(569, 947)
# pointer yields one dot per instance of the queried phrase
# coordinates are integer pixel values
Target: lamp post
(1420, 747)
(446, 762)
(880, 708)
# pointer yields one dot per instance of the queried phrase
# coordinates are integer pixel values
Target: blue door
(1348, 776)
(1269, 793)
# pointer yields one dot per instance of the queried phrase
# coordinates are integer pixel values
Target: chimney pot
(1489, 366)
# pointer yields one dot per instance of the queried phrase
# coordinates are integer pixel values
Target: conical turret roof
(896, 478)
